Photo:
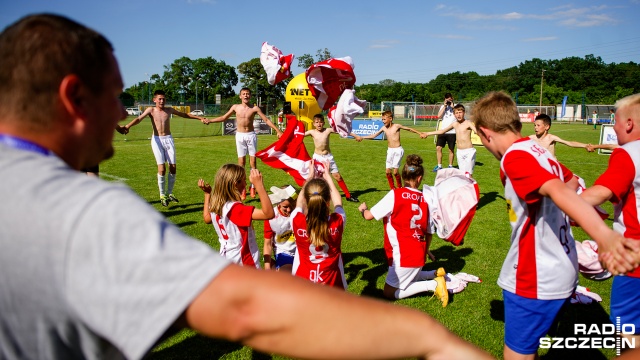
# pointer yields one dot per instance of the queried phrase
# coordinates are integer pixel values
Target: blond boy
(322, 152)
(395, 152)
(540, 271)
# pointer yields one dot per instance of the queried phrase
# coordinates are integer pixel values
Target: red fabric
(390, 180)
(289, 153)
(328, 79)
(277, 66)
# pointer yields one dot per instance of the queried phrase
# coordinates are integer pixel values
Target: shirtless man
(322, 153)
(542, 124)
(465, 151)
(395, 152)
(246, 139)
(162, 141)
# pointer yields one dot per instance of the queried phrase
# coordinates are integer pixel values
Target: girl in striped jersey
(407, 236)
(318, 232)
(231, 218)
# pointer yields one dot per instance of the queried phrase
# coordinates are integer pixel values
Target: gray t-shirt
(88, 269)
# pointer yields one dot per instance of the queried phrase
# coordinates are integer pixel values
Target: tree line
(587, 80)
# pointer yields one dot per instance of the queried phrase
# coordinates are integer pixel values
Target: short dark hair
(448, 95)
(318, 116)
(545, 118)
(459, 107)
(159, 92)
(245, 89)
(36, 53)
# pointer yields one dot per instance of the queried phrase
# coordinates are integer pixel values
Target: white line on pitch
(113, 177)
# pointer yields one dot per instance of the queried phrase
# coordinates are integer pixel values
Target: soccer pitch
(476, 314)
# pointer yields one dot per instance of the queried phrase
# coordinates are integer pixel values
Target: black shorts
(449, 139)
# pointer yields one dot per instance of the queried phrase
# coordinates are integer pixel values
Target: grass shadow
(195, 348)
(488, 198)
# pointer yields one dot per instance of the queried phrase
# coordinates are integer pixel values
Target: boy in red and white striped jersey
(540, 271)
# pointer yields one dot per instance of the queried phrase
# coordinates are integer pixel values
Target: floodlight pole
(541, 81)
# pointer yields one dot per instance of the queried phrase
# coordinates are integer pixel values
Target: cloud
(383, 44)
(547, 38)
(440, 7)
(565, 15)
(451, 36)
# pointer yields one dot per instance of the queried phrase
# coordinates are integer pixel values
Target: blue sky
(407, 41)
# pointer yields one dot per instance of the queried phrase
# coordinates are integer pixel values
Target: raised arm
(139, 118)
(336, 199)
(266, 212)
(206, 188)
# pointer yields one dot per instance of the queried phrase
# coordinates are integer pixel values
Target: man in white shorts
(465, 153)
(395, 152)
(322, 153)
(162, 142)
(246, 139)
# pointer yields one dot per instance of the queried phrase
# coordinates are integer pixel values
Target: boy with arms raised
(162, 141)
(246, 139)
(541, 270)
(620, 184)
(322, 153)
(542, 124)
(465, 153)
(395, 152)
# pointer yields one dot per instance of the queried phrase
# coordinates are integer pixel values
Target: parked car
(133, 111)
(197, 113)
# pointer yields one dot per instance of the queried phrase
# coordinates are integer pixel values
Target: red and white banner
(289, 152)
(341, 115)
(328, 79)
(276, 65)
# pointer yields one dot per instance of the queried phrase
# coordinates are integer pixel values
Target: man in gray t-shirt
(89, 270)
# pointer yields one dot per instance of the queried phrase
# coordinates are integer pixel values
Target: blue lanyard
(22, 144)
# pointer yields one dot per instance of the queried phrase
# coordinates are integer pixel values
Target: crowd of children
(540, 272)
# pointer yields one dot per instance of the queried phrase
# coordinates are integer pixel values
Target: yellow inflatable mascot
(303, 104)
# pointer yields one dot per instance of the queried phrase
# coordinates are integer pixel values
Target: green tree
(253, 76)
(306, 60)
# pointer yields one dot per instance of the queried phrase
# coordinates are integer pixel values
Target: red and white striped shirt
(236, 235)
(319, 264)
(622, 177)
(542, 261)
(406, 219)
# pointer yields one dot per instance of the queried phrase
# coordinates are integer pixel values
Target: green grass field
(476, 314)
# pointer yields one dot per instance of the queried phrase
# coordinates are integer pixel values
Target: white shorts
(466, 159)
(333, 168)
(401, 277)
(246, 143)
(163, 149)
(394, 157)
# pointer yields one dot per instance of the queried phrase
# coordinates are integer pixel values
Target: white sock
(172, 180)
(416, 288)
(161, 184)
(426, 275)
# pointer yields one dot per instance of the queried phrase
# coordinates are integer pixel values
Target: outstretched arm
(372, 136)
(269, 123)
(137, 120)
(574, 144)
(239, 304)
(356, 136)
(223, 117)
(591, 148)
(189, 116)
(424, 135)
(409, 129)
(336, 199)
(617, 253)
